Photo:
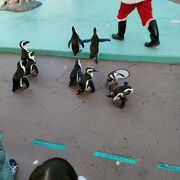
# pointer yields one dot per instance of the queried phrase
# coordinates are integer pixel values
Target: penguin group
(85, 83)
(26, 66)
(75, 43)
(84, 80)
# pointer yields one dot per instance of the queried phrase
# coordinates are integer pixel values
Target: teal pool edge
(49, 144)
(122, 159)
(168, 167)
(137, 58)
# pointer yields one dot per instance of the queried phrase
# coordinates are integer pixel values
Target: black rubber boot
(154, 34)
(121, 31)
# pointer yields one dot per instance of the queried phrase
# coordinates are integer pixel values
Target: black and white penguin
(31, 67)
(24, 51)
(19, 79)
(114, 76)
(120, 93)
(94, 46)
(86, 83)
(75, 42)
(76, 74)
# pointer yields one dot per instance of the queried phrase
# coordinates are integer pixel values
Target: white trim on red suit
(131, 1)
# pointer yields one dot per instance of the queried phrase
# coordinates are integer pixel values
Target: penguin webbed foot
(79, 92)
(14, 89)
(70, 83)
(93, 90)
(122, 105)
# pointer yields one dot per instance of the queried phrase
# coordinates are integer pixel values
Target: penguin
(31, 67)
(76, 74)
(120, 93)
(86, 83)
(75, 41)
(24, 51)
(114, 76)
(19, 79)
(94, 46)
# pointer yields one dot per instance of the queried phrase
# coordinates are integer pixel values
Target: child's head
(54, 169)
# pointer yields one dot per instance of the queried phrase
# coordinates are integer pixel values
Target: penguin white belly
(21, 83)
(78, 78)
(87, 87)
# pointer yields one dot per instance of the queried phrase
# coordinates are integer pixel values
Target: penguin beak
(94, 70)
(26, 42)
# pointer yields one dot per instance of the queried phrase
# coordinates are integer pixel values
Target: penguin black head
(73, 29)
(94, 30)
(23, 43)
(90, 70)
(78, 63)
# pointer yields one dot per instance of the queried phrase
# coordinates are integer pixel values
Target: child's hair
(54, 169)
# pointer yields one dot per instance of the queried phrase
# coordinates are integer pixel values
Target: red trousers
(144, 9)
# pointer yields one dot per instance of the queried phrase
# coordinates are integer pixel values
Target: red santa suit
(144, 8)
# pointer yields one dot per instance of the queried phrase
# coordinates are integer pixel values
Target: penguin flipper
(86, 40)
(69, 43)
(25, 82)
(80, 75)
(91, 84)
(81, 42)
(34, 70)
(104, 40)
(72, 79)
